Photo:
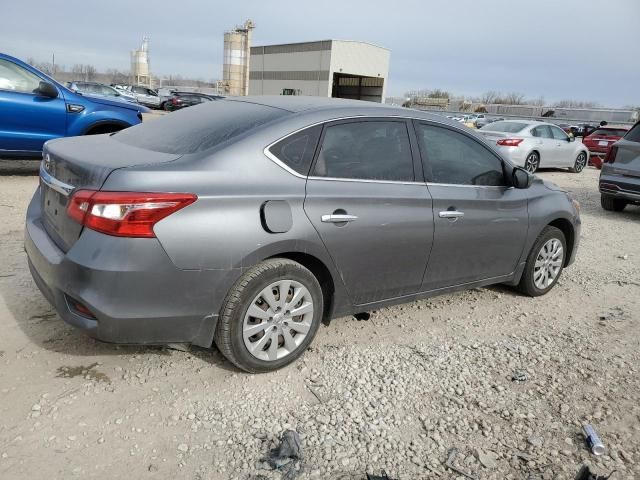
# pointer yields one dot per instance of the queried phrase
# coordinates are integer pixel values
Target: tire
(580, 163)
(532, 162)
(534, 283)
(612, 204)
(236, 322)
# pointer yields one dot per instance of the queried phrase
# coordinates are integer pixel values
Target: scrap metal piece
(451, 456)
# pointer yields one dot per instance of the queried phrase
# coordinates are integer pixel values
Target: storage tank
(140, 71)
(235, 72)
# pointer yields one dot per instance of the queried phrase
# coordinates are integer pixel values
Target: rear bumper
(134, 292)
(619, 186)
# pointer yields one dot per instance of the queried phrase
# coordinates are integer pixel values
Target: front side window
(15, 78)
(558, 134)
(454, 158)
(297, 150)
(543, 131)
(371, 150)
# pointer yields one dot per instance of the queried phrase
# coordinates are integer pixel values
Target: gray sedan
(245, 222)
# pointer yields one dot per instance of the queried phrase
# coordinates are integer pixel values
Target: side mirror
(571, 139)
(46, 89)
(520, 178)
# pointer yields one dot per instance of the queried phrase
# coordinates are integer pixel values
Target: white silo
(235, 72)
(140, 71)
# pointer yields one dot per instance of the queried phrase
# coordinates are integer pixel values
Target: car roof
(298, 104)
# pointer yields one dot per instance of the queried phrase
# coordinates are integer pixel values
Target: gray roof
(309, 105)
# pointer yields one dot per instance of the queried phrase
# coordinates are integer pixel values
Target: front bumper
(135, 294)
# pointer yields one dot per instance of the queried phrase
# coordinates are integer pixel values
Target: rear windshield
(614, 132)
(194, 129)
(508, 127)
(634, 134)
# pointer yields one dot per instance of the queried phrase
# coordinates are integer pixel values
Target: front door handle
(338, 218)
(451, 214)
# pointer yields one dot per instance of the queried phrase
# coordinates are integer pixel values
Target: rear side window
(195, 129)
(454, 158)
(634, 134)
(372, 150)
(297, 150)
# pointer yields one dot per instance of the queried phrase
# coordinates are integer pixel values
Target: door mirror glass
(46, 89)
(521, 178)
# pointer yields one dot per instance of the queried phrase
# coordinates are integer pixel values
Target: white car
(534, 145)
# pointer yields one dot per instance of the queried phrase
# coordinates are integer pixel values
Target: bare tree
(489, 97)
(575, 104)
(438, 93)
(514, 98)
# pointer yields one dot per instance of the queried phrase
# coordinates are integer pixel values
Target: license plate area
(603, 143)
(54, 206)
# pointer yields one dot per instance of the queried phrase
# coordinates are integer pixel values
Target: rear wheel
(612, 204)
(532, 162)
(580, 163)
(544, 263)
(270, 316)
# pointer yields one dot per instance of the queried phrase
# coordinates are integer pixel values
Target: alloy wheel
(278, 320)
(548, 264)
(581, 162)
(532, 162)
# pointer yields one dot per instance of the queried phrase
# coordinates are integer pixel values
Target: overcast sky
(558, 49)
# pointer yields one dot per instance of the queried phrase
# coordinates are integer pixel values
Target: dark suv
(187, 99)
(620, 176)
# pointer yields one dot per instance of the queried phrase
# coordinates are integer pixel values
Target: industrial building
(327, 68)
(235, 71)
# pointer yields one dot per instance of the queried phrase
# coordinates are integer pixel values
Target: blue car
(35, 108)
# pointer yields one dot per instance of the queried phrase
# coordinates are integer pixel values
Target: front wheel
(270, 316)
(580, 163)
(544, 263)
(532, 162)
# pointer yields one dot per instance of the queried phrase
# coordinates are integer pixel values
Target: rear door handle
(451, 214)
(338, 218)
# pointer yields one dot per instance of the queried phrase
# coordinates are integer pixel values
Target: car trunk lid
(82, 163)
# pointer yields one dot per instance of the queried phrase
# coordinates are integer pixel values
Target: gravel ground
(395, 392)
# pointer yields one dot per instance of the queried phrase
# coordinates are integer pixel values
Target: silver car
(534, 145)
(246, 222)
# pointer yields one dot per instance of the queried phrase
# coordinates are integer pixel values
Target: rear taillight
(610, 157)
(125, 214)
(509, 142)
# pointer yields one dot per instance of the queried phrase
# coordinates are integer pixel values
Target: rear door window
(297, 150)
(369, 150)
(454, 158)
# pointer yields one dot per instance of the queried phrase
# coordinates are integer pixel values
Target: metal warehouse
(327, 68)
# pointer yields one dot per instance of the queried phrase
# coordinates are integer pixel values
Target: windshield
(507, 127)
(199, 128)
